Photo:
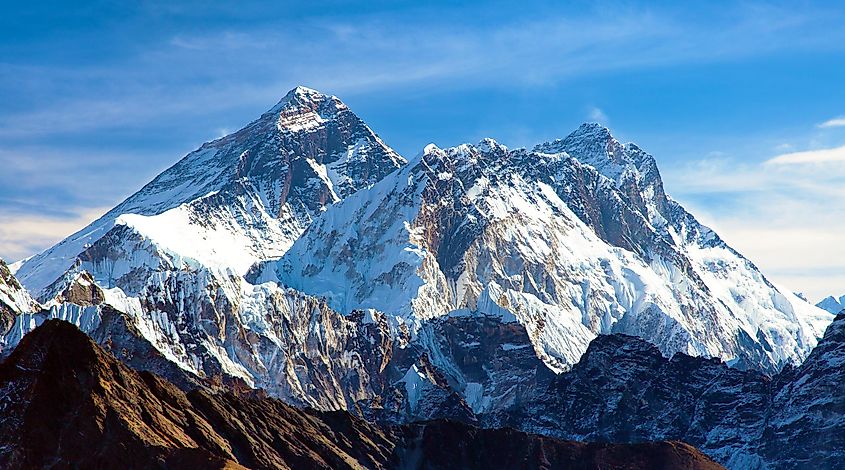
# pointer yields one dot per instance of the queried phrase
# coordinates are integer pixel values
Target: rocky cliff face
(69, 403)
(806, 428)
(624, 390)
(573, 239)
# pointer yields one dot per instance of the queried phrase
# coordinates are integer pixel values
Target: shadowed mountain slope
(66, 402)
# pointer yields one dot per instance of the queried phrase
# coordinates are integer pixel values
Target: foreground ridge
(69, 403)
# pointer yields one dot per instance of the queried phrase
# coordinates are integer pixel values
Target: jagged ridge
(624, 390)
(569, 244)
(68, 403)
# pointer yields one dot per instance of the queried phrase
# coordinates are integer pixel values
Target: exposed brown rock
(67, 403)
(83, 291)
(446, 445)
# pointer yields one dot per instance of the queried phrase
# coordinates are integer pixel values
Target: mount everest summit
(303, 256)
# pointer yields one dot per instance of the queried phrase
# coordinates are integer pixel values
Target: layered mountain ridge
(302, 256)
(624, 390)
(570, 249)
(67, 402)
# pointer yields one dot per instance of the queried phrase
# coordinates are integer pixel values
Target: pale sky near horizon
(742, 103)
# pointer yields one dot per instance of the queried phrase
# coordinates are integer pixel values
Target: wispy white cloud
(835, 122)
(25, 235)
(827, 155)
(192, 74)
(597, 115)
(184, 77)
(787, 218)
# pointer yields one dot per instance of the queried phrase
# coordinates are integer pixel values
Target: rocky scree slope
(67, 402)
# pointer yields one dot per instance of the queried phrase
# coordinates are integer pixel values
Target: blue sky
(742, 103)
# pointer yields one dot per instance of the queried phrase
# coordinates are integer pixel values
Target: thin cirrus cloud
(187, 74)
(25, 235)
(786, 214)
(828, 155)
(835, 122)
(71, 116)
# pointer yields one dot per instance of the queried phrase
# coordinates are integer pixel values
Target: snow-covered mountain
(163, 269)
(14, 299)
(572, 239)
(303, 256)
(234, 201)
(832, 304)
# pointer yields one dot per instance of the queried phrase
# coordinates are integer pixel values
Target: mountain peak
(593, 144)
(832, 304)
(488, 145)
(305, 93)
(276, 173)
(588, 134)
(302, 96)
(593, 129)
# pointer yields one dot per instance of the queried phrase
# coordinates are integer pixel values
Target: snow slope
(832, 304)
(235, 200)
(575, 238)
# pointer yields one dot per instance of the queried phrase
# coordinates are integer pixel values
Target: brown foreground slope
(67, 403)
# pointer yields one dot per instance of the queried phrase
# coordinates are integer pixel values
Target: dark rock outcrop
(623, 390)
(806, 427)
(66, 402)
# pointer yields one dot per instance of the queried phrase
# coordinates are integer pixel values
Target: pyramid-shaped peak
(489, 145)
(304, 96)
(591, 129)
(593, 144)
(303, 92)
(590, 133)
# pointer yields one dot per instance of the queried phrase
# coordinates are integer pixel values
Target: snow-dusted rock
(624, 390)
(236, 200)
(14, 299)
(806, 428)
(573, 239)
